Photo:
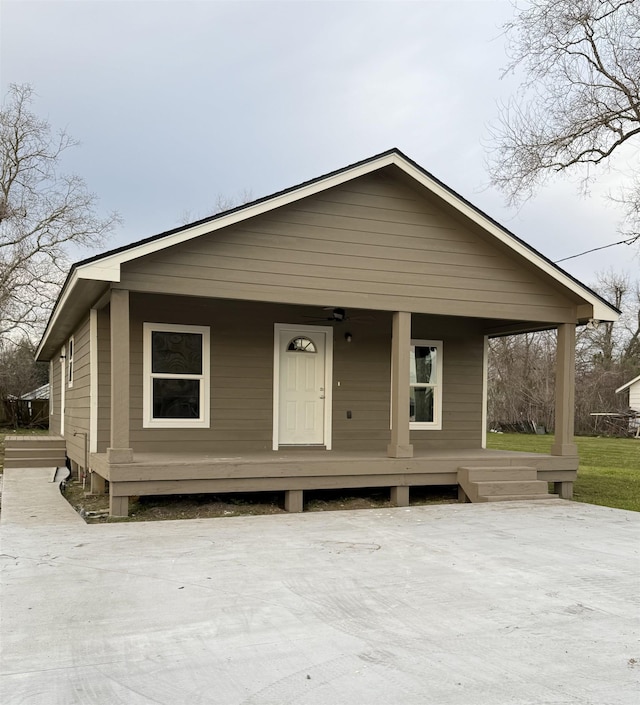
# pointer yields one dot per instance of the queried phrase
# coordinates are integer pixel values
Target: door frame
(278, 328)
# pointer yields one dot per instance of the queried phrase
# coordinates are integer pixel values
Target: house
(634, 404)
(330, 335)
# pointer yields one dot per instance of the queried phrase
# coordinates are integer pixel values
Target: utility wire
(628, 241)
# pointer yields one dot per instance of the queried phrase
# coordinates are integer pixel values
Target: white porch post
(565, 391)
(400, 447)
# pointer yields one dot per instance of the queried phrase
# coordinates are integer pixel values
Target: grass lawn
(609, 471)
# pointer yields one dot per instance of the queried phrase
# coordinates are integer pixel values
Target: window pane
(176, 353)
(176, 398)
(423, 365)
(421, 404)
(301, 345)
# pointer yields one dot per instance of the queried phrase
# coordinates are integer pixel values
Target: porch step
(493, 484)
(483, 474)
(34, 451)
(517, 497)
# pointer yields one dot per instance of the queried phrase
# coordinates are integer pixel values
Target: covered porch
(294, 471)
(398, 454)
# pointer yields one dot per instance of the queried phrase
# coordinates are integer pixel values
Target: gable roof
(628, 384)
(106, 267)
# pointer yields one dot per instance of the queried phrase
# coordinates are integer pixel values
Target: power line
(628, 241)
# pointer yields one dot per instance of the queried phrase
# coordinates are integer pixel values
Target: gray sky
(178, 102)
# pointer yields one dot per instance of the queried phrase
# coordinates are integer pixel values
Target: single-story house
(633, 386)
(331, 335)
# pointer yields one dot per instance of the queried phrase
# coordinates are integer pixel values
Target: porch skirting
(290, 471)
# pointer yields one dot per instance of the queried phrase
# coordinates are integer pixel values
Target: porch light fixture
(63, 358)
(348, 337)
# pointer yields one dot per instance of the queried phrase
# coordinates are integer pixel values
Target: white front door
(302, 385)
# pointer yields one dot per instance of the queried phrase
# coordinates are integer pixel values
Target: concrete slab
(508, 603)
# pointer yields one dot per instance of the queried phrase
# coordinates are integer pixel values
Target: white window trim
(436, 424)
(71, 348)
(148, 376)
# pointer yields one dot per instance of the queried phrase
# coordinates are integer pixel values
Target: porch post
(400, 447)
(119, 450)
(565, 391)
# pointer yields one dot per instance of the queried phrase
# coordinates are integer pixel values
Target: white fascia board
(628, 384)
(108, 268)
(601, 311)
(64, 296)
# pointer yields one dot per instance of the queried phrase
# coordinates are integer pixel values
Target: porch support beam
(293, 501)
(565, 391)
(400, 496)
(97, 484)
(118, 506)
(119, 450)
(400, 447)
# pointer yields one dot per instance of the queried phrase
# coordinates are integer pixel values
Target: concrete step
(511, 487)
(482, 474)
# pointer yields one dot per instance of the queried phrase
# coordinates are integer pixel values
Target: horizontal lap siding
(242, 377)
(77, 396)
(372, 243)
(54, 395)
(363, 368)
(241, 392)
(463, 350)
(104, 379)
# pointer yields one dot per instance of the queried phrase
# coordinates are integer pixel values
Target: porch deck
(298, 470)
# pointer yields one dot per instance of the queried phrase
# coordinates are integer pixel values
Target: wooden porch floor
(172, 473)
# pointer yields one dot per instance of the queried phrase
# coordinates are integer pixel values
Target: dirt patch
(95, 508)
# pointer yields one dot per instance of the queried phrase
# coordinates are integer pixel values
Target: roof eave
(106, 267)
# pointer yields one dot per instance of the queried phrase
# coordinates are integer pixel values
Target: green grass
(609, 471)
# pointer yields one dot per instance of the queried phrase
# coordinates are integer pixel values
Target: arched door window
(301, 344)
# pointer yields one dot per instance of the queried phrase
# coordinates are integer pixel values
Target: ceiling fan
(337, 314)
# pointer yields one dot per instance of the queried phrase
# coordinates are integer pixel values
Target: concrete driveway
(509, 603)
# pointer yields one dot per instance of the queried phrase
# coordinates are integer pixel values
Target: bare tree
(222, 203)
(580, 100)
(522, 367)
(42, 212)
(19, 372)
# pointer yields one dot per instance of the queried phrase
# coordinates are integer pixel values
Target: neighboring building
(331, 335)
(39, 393)
(634, 403)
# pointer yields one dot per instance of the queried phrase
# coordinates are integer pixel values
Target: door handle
(322, 397)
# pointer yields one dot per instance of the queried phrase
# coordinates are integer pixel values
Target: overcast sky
(177, 103)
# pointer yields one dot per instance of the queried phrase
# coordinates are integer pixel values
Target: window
(176, 376)
(304, 345)
(70, 349)
(425, 382)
